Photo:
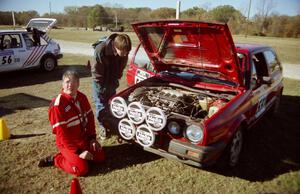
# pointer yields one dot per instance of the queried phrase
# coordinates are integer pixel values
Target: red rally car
(201, 93)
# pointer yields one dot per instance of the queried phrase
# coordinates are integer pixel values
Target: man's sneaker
(102, 133)
(45, 162)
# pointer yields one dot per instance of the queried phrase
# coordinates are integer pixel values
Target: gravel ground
(289, 70)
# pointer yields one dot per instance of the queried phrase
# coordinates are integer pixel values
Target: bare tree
(264, 9)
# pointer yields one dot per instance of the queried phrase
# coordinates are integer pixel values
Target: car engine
(149, 109)
(175, 100)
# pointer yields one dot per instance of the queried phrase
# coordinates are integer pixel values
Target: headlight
(156, 119)
(136, 112)
(118, 107)
(194, 133)
(145, 136)
(126, 129)
(174, 127)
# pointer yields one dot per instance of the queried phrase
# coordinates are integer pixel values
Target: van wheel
(49, 64)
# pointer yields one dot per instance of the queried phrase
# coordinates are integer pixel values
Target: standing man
(73, 123)
(109, 61)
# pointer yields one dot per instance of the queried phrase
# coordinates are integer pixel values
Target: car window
(259, 69)
(242, 63)
(28, 40)
(10, 41)
(271, 60)
(142, 60)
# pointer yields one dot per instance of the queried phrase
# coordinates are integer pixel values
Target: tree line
(262, 24)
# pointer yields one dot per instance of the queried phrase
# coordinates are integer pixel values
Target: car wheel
(235, 148)
(231, 154)
(49, 64)
(275, 107)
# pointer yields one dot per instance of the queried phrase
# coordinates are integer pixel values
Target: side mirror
(267, 80)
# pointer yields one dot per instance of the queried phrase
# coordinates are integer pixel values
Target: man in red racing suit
(73, 123)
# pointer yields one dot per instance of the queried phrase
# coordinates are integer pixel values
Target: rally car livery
(22, 49)
(197, 94)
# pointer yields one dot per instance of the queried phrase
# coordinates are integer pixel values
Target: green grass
(79, 35)
(287, 48)
(270, 162)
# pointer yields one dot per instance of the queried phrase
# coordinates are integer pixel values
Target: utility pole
(248, 19)
(50, 8)
(178, 10)
(116, 18)
(13, 18)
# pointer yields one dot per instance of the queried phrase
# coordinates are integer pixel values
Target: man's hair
(123, 42)
(69, 74)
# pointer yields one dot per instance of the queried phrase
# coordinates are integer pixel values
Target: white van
(30, 48)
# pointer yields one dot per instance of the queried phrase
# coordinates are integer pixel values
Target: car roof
(251, 47)
(12, 31)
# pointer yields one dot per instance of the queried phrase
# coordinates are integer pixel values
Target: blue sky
(283, 7)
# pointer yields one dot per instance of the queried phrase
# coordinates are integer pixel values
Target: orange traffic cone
(4, 131)
(75, 187)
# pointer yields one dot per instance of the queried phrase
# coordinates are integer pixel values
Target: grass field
(270, 162)
(287, 48)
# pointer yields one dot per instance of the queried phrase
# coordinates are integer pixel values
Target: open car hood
(190, 45)
(42, 24)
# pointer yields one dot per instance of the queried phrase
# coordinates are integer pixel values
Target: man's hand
(94, 145)
(86, 155)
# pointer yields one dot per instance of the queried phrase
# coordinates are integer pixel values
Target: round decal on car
(156, 119)
(136, 113)
(126, 129)
(145, 136)
(118, 107)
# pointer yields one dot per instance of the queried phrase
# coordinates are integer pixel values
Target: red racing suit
(73, 123)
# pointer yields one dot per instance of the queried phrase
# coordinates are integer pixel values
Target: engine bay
(168, 107)
(173, 99)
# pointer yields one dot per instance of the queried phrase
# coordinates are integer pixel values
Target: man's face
(122, 53)
(70, 85)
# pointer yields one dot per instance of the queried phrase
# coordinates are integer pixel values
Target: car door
(140, 67)
(11, 51)
(261, 86)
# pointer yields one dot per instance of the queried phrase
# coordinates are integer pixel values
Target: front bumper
(187, 153)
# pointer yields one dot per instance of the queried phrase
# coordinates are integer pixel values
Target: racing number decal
(6, 60)
(6, 57)
(261, 106)
(141, 75)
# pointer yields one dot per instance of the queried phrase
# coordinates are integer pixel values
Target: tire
(231, 155)
(48, 63)
(275, 107)
(235, 148)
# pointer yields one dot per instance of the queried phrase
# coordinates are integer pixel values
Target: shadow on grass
(20, 101)
(36, 76)
(26, 135)
(122, 156)
(272, 146)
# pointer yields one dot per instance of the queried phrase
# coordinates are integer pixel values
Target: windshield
(41, 24)
(190, 76)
